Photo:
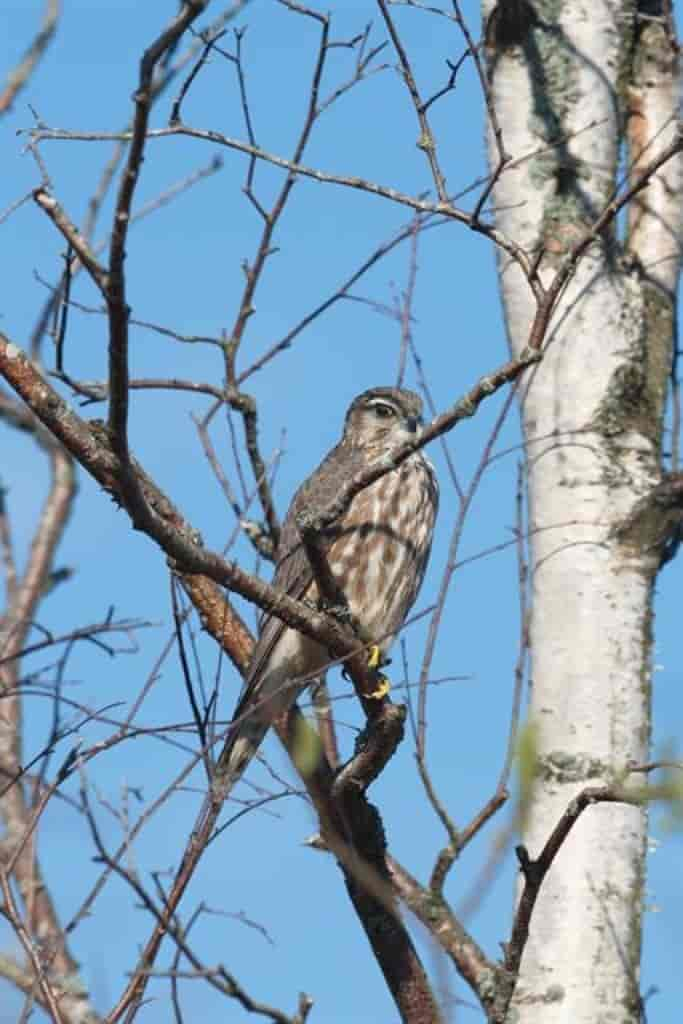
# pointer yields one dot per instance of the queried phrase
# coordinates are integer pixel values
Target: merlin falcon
(377, 552)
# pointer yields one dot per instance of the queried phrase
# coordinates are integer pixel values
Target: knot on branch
(240, 401)
(532, 870)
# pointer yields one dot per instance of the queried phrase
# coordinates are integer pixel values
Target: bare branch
(73, 236)
(426, 140)
(18, 78)
(463, 409)
(535, 871)
(442, 207)
(115, 294)
(11, 913)
(90, 444)
(618, 201)
(480, 973)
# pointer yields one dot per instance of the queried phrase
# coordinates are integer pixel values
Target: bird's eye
(384, 411)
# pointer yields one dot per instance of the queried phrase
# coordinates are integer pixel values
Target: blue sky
(184, 272)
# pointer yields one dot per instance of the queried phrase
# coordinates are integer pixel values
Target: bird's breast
(380, 553)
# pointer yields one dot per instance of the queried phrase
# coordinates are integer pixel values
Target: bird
(377, 553)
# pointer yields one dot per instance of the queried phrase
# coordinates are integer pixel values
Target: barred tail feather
(236, 756)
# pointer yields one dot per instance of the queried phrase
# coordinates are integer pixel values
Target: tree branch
(535, 871)
(154, 514)
(18, 78)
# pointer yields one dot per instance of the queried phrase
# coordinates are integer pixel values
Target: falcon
(377, 553)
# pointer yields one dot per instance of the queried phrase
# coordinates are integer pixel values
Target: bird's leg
(376, 659)
(383, 688)
(339, 611)
(376, 662)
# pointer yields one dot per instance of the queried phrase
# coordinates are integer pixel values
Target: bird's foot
(340, 612)
(377, 661)
(375, 656)
(383, 688)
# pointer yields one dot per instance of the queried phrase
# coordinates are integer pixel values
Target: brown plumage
(378, 553)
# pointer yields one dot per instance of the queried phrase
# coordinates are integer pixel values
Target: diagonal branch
(344, 804)
(426, 141)
(464, 408)
(20, 865)
(155, 515)
(432, 910)
(18, 78)
(420, 205)
(534, 871)
(45, 985)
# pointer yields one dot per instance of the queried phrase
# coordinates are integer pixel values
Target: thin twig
(426, 140)
(442, 207)
(18, 78)
(406, 308)
(115, 293)
(11, 913)
(198, 717)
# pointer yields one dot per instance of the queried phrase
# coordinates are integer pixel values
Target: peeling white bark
(592, 422)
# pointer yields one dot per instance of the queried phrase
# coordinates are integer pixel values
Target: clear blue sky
(184, 271)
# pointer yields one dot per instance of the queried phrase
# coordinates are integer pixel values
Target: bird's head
(383, 418)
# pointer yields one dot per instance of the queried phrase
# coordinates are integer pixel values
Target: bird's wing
(293, 575)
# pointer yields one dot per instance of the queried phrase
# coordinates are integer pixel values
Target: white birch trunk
(593, 419)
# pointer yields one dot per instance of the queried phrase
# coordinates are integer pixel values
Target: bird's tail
(237, 753)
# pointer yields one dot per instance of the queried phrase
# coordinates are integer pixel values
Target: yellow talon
(375, 657)
(382, 690)
(375, 661)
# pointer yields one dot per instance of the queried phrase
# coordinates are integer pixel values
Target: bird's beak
(412, 423)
